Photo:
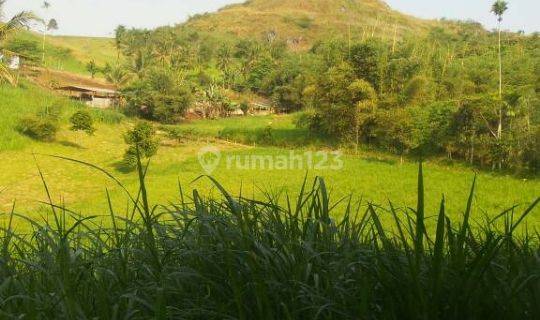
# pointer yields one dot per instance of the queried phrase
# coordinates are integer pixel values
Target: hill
(301, 22)
(84, 49)
(64, 53)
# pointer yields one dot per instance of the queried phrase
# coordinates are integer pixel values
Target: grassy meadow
(244, 259)
(366, 176)
(92, 252)
(84, 49)
(71, 54)
(64, 53)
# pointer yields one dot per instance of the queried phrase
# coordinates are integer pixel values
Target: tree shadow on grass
(71, 144)
(384, 160)
(122, 167)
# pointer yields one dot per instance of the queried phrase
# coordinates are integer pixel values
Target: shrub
(531, 154)
(82, 121)
(310, 120)
(244, 106)
(141, 139)
(266, 135)
(39, 128)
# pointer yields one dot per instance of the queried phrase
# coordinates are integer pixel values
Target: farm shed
(261, 109)
(92, 96)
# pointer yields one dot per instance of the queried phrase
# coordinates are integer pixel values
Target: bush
(82, 121)
(39, 128)
(130, 158)
(310, 120)
(531, 154)
(244, 106)
(266, 135)
(140, 139)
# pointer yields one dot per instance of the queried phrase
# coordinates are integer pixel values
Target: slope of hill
(301, 22)
(84, 49)
(64, 53)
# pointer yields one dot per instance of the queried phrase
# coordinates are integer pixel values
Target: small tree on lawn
(92, 68)
(142, 140)
(244, 106)
(82, 121)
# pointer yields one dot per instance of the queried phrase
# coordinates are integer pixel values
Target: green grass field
(101, 50)
(65, 53)
(73, 53)
(364, 176)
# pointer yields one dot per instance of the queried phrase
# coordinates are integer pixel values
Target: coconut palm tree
(50, 25)
(6, 28)
(116, 74)
(499, 8)
(119, 33)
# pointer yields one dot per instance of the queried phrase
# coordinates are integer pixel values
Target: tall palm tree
(46, 6)
(116, 74)
(119, 33)
(499, 8)
(6, 28)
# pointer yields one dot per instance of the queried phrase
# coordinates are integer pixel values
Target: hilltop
(302, 22)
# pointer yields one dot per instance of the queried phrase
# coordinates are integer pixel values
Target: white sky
(100, 17)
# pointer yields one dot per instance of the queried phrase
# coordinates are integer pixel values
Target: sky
(101, 17)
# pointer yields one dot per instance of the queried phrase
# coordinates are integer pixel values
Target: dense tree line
(436, 94)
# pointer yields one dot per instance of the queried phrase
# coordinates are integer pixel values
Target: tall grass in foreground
(238, 258)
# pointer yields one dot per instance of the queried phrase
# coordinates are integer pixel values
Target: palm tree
(499, 8)
(119, 33)
(116, 74)
(47, 26)
(6, 28)
(92, 68)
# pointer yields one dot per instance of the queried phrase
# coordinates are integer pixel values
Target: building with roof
(93, 96)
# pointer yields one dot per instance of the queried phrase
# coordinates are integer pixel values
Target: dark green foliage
(244, 106)
(92, 68)
(454, 67)
(310, 120)
(418, 91)
(28, 49)
(259, 72)
(82, 121)
(532, 150)
(42, 126)
(39, 128)
(394, 130)
(142, 140)
(236, 258)
(267, 135)
(365, 59)
(158, 97)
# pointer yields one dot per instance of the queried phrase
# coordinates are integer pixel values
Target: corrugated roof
(88, 89)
